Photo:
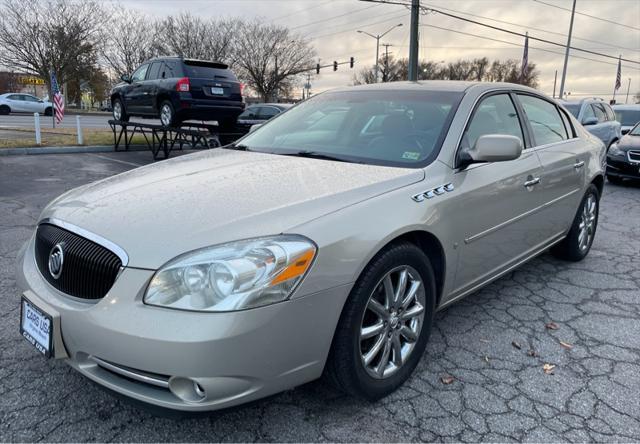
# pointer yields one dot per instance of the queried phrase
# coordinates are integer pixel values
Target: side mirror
(492, 148)
(125, 78)
(590, 121)
(255, 127)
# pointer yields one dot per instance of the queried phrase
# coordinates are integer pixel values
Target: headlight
(615, 151)
(234, 276)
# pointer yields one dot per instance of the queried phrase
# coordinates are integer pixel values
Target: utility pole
(628, 86)
(555, 79)
(413, 43)
(566, 52)
(385, 74)
(275, 93)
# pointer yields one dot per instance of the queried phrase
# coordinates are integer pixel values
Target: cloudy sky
(611, 27)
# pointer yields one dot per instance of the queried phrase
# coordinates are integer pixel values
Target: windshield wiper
(239, 147)
(314, 155)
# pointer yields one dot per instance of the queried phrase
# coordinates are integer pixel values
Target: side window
(154, 71)
(495, 115)
(600, 112)
(587, 113)
(171, 70)
(267, 112)
(249, 113)
(30, 98)
(567, 125)
(140, 73)
(13, 97)
(545, 120)
(610, 115)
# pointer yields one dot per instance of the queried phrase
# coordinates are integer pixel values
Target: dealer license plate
(217, 91)
(37, 327)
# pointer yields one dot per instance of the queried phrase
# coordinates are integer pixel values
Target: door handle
(532, 182)
(578, 165)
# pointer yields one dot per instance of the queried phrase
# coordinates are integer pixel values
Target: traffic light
(318, 68)
(335, 65)
(351, 62)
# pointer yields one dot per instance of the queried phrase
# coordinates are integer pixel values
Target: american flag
(58, 99)
(525, 59)
(619, 74)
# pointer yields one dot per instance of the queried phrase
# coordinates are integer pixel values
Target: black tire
(345, 367)
(48, 111)
(4, 110)
(570, 248)
(167, 121)
(117, 104)
(614, 179)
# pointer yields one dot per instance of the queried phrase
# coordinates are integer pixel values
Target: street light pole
(413, 41)
(628, 86)
(566, 51)
(378, 37)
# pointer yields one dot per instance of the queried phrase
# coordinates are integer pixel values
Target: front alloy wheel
(587, 223)
(166, 114)
(385, 323)
(580, 237)
(392, 322)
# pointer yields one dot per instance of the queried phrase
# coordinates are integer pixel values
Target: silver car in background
(321, 243)
(597, 117)
(24, 103)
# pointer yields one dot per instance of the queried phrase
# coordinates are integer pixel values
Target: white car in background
(24, 103)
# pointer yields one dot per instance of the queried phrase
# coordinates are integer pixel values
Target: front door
(134, 93)
(498, 226)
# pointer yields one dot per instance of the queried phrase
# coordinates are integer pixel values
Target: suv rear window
(205, 71)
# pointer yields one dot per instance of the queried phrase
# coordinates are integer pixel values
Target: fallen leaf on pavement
(532, 353)
(448, 379)
(516, 345)
(566, 345)
(551, 326)
(548, 368)
(484, 340)
(486, 358)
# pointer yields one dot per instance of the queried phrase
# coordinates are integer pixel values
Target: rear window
(201, 71)
(628, 117)
(573, 108)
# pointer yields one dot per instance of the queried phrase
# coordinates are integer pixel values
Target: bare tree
(132, 43)
(193, 37)
(38, 37)
(270, 58)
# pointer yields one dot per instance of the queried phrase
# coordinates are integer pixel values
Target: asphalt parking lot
(494, 344)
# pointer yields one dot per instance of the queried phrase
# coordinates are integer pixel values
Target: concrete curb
(64, 150)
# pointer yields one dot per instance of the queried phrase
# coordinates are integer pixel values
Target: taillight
(183, 85)
(241, 88)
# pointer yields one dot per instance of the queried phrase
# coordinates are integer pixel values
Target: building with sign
(23, 83)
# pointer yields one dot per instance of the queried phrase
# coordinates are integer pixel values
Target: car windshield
(573, 108)
(635, 131)
(628, 117)
(395, 128)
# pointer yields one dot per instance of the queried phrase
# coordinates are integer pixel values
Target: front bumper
(182, 360)
(622, 167)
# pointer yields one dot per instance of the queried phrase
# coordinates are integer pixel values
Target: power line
(333, 17)
(538, 29)
(530, 47)
(587, 15)
(497, 28)
(388, 19)
(302, 10)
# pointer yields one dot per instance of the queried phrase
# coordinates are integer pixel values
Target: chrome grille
(634, 156)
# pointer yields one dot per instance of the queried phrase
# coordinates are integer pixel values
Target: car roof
(200, 62)
(439, 85)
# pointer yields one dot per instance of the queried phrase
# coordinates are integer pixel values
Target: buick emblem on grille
(56, 260)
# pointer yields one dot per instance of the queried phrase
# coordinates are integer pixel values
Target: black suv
(175, 89)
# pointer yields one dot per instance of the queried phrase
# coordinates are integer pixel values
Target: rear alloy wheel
(48, 111)
(119, 112)
(583, 230)
(167, 117)
(385, 323)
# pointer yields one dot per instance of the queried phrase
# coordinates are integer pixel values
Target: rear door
(499, 199)
(32, 104)
(212, 81)
(17, 103)
(563, 159)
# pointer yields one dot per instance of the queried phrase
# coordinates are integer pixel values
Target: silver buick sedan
(321, 243)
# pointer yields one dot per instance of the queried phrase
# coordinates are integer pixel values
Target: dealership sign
(30, 80)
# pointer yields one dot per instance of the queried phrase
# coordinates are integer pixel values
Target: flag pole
(53, 102)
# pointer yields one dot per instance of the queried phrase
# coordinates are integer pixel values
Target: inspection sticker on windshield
(411, 155)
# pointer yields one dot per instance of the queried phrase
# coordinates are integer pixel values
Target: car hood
(165, 209)
(629, 142)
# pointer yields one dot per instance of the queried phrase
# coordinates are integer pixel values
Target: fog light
(187, 389)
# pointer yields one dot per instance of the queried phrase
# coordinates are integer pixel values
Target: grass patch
(62, 137)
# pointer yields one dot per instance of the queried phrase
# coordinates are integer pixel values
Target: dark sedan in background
(623, 158)
(258, 114)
